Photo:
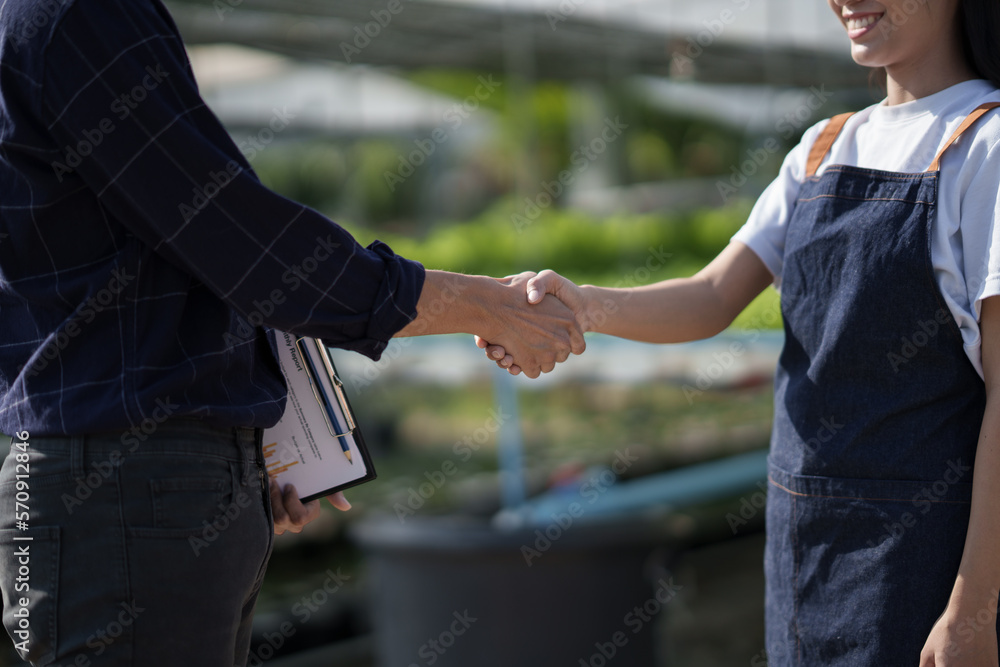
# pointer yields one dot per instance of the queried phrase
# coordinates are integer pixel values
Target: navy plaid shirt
(141, 260)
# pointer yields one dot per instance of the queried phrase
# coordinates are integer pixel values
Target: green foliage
(311, 173)
(460, 84)
(650, 157)
(622, 250)
(507, 238)
(764, 312)
(386, 182)
(348, 180)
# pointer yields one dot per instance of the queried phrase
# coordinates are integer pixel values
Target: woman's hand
(537, 288)
(962, 639)
(670, 311)
(291, 514)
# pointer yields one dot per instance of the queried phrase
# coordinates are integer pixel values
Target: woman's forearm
(978, 580)
(671, 311)
(680, 309)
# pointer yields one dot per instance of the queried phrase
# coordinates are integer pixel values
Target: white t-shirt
(965, 234)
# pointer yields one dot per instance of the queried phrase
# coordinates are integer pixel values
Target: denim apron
(877, 416)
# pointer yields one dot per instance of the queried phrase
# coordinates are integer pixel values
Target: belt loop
(234, 467)
(258, 454)
(239, 437)
(78, 456)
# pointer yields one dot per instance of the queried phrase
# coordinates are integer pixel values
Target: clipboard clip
(317, 387)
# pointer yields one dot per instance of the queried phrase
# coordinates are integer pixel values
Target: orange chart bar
(277, 467)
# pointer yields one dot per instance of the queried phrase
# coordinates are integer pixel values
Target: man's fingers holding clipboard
(288, 511)
(339, 501)
(290, 514)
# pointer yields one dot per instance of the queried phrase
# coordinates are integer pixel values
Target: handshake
(527, 323)
(555, 320)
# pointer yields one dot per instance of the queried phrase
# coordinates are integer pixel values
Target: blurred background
(610, 512)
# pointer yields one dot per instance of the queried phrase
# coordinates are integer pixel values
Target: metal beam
(481, 36)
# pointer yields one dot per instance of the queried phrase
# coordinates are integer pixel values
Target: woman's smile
(859, 25)
(917, 42)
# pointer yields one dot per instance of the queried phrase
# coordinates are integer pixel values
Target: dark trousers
(142, 548)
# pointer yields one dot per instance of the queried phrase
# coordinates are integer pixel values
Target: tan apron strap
(969, 120)
(824, 142)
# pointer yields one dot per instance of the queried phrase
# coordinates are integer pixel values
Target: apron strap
(969, 120)
(824, 142)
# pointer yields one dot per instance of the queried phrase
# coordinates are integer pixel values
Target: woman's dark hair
(979, 21)
(980, 24)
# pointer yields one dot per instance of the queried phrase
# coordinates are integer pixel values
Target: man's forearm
(497, 310)
(453, 303)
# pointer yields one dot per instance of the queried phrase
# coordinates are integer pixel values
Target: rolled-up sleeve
(135, 130)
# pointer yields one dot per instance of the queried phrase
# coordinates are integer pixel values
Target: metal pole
(510, 447)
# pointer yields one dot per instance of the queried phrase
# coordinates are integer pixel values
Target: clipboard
(316, 445)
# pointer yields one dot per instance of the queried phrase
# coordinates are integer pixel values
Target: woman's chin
(864, 56)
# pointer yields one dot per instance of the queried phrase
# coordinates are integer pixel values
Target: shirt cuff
(395, 303)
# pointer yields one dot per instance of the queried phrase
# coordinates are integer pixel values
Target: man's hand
(538, 336)
(290, 514)
(539, 333)
(539, 288)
